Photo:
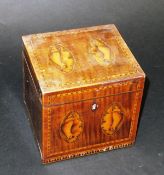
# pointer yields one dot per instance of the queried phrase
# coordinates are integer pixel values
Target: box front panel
(85, 126)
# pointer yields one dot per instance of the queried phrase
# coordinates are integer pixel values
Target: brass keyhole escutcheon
(71, 127)
(112, 119)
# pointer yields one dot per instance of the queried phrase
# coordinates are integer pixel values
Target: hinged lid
(80, 58)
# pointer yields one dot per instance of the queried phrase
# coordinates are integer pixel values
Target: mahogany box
(83, 90)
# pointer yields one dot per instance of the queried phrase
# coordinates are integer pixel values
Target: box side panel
(32, 103)
(92, 125)
(25, 56)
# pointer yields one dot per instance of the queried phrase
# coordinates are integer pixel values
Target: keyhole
(94, 106)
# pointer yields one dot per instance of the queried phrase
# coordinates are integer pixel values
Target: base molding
(86, 152)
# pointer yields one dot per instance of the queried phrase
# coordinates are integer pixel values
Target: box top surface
(80, 57)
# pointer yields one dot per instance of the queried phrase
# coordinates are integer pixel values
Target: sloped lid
(80, 57)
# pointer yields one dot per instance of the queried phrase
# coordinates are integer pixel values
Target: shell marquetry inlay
(71, 127)
(113, 119)
(62, 57)
(101, 52)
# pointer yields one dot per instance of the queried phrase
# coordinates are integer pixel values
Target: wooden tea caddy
(83, 91)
